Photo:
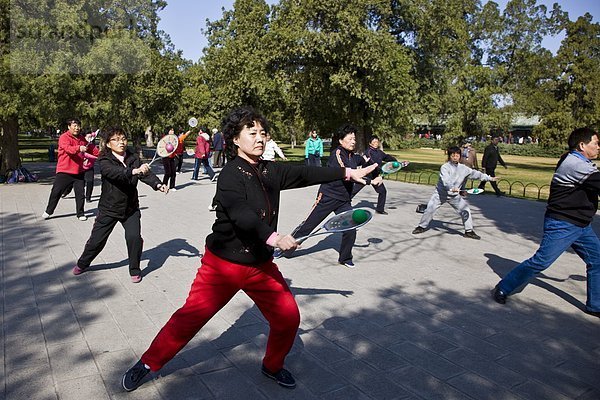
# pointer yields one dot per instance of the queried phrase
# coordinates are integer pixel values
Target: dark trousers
(313, 160)
(61, 183)
(170, 172)
(179, 158)
(217, 281)
(322, 208)
(490, 172)
(88, 178)
(103, 226)
(217, 158)
(381, 194)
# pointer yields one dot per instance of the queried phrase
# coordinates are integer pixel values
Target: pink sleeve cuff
(348, 171)
(271, 239)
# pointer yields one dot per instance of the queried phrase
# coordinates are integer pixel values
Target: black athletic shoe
(498, 295)
(382, 212)
(418, 230)
(134, 376)
(471, 235)
(283, 377)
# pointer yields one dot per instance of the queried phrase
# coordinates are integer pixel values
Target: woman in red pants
(239, 251)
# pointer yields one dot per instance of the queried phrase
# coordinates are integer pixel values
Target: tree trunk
(9, 145)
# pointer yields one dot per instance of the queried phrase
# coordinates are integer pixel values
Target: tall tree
(339, 62)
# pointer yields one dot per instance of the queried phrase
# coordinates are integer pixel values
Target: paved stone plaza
(413, 320)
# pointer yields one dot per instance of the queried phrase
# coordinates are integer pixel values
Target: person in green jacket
(313, 149)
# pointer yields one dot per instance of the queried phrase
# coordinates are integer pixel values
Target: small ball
(360, 216)
(395, 164)
(169, 147)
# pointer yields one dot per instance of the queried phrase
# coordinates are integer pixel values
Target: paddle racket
(475, 191)
(392, 167)
(351, 219)
(193, 122)
(165, 147)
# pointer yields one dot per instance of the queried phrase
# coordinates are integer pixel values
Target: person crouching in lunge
(447, 190)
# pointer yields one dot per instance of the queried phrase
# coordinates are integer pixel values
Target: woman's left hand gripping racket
(351, 219)
(392, 167)
(165, 147)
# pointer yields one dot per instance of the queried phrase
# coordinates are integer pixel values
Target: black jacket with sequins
(247, 200)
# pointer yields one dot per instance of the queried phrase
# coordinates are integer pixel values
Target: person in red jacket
(72, 146)
(202, 154)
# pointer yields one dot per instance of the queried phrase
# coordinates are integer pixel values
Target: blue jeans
(206, 165)
(558, 237)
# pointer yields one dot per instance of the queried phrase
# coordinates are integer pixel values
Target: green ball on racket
(360, 216)
(395, 164)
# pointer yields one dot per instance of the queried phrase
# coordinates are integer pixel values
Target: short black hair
(453, 150)
(373, 138)
(235, 121)
(106, 135)
(73, 120)
(341, 133)
(580, 135)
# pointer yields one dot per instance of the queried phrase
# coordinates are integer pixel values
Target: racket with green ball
(351, 219)
(165, 147)
(392, 167)
(475, 191)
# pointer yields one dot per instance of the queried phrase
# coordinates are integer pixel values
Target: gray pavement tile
(431, 362)
(347, 392)
(369, 352)
(71, 360)
(370, 381)
(104, 337)
(88, 387)
(328, 352)
(223, 384)
(311, 373)
(485, 367)
(536, 370)
(471, 342)
(480, 388)
(30, 383)
(426, 385)
(537, 390)
(22, 351)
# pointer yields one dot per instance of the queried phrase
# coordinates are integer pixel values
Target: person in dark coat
(120, 170)
(378, 156)
(491, 158)
(239, 251)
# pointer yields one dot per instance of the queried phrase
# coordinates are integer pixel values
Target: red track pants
(217, 281)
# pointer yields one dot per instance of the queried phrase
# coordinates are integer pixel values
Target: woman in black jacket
(239, 251)
(120, 170)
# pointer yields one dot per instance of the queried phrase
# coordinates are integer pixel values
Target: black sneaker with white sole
(283, 377)
(134, 376)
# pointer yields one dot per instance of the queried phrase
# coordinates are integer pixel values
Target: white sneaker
(82, 218)
(172, 190)
(45, 215)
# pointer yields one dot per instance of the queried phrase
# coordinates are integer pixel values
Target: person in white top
(447, 190)
(271, 149)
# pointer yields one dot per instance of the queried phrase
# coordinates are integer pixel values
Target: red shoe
(77, 270)
(136, 278)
